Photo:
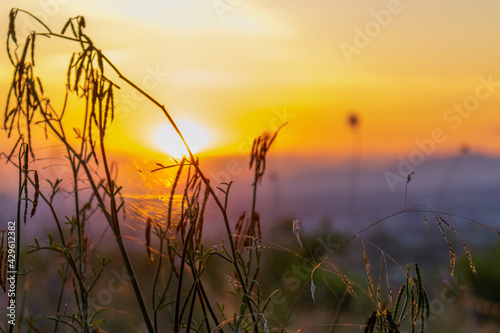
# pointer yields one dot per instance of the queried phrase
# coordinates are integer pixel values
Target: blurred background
(370, 92)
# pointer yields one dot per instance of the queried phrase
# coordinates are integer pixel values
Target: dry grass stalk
(244, 234)
(346, 281)
(450, 245)
(199, 226)
(296, 229)
(466, 249)
(368, 274)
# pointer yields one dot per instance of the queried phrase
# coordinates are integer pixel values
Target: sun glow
(167, 140)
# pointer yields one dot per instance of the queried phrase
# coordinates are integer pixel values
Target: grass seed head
(296, 229)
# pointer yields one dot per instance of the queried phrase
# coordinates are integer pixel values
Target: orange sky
(244, 68)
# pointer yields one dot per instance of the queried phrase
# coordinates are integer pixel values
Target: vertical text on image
(11, 272)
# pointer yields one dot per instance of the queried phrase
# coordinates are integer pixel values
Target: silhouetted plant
(179, 290)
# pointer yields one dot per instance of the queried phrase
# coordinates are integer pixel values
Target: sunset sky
(238, 68)
(368, 95)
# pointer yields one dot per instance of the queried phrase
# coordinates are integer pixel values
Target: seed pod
(372, 320)
(12, 25)
(149, 223)
(33, 35)
(37, 193)
(66, 25)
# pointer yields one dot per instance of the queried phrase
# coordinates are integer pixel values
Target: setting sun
(167, 140)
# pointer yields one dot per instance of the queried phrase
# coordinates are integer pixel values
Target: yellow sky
(242, 67)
